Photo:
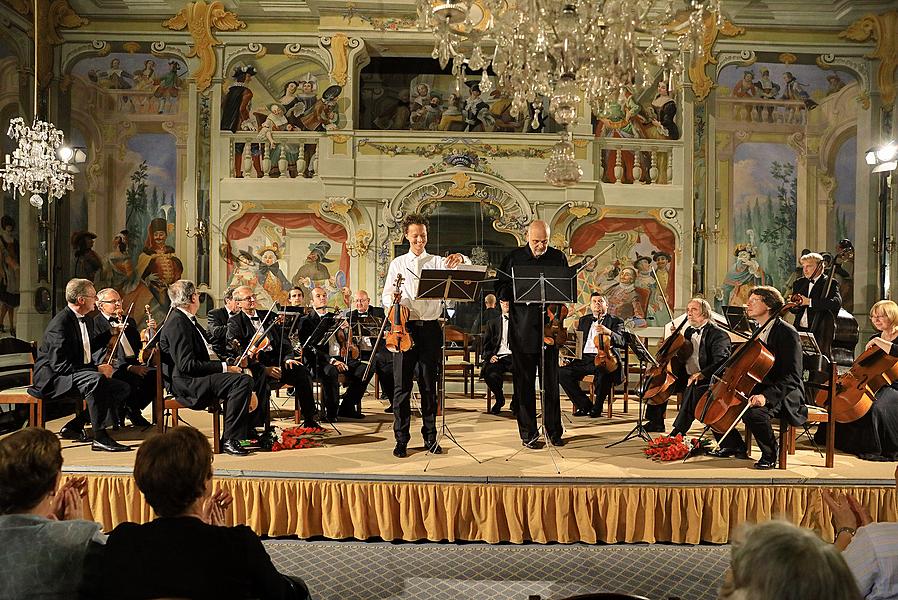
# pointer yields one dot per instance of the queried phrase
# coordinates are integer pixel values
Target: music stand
(645, 358)
(737, 318)
(327, 326)
(460, 285)
(538, 284)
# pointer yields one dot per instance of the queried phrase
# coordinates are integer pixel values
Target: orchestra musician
(65, 364)
(424, 330)
(497, 358)
(526, 323)
(875, 435)
(327, 363)
(599, 322)
(780, 394)
(383, 359)
(710, 348)
(217, 324)
(816, 300)
(273, 363)
(140, 378)
(195, 374)
(296, 297)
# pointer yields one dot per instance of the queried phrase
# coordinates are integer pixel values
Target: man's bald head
(538, 237)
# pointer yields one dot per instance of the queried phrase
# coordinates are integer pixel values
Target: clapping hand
(215, 507)
(68, 504)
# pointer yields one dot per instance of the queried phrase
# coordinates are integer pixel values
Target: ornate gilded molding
(53, 15)
(884, 30)
(472, 145)
(338, 45)
(701, 83)
(200, 18)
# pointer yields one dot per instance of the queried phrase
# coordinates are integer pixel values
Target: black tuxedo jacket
(241, 330)
(315, 356)
(830, 303)
(185, 361)
(101, 325)
(782, 386)
(492, 338)
(217, 328)
(618, 343)
(61, 353)
(713, 350)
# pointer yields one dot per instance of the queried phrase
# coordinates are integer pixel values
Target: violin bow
(121, 332)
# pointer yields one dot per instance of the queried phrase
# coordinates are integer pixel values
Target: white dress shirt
(410, 266)
(504, 349)
(804, 316)
(85, 336)
(126, 346)
(692, 364)
(589, 346)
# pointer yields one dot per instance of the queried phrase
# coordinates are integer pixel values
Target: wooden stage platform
(352, 486)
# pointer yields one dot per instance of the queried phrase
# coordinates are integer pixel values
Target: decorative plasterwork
(701, 83)
(180, 131)
(338, 45)
(53, 15)
(443, 147)
(743, 58)
(858, 67)
(884, 30)
(199, 19)
(253, 49)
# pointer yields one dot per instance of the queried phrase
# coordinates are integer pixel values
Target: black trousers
(299, 377)
(655, 413)
(233, 389)
(525, 366)
(383, 366)
(355, 386)
(143, 389)
(757, 419)
(424, 358)
(100, 394)
(493, 374)
(573, 373)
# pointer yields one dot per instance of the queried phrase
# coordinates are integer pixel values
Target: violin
(397, 338)
(672, 355)
(146, 335)
(347, 348)
(554, 333)
(115, 340)
(856, 389)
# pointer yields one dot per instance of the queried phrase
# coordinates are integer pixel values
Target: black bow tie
(691, 331)
(82, 319)
(505, 317)
(113, 320)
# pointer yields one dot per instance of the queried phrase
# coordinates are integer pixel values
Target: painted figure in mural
(621, 121)
(452, 119)
(323, 115)
(418, 116)
(794, 90)
(476, 112)
(844, 273)
(421, 95)
(277, 121)
(434, 112)
(169, 88)
(115, 78)
(9, 274)
(664, 108)
(745, 274)
(288, 99)
(645, 281)
(314, 268)
(146, 77)
(626, 301)
(501, 109)
(235, 116)
(395, 116)
(271, 276)
(766, 89)
(118, 269)
(157, 264)
(308, 95)
(87, 262)
(835, 83)
(245, 270)
(662, 271)
(745, 87)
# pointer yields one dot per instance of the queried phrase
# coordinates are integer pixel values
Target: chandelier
(40, 162)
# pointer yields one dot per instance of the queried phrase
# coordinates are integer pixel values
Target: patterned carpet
(364, 570)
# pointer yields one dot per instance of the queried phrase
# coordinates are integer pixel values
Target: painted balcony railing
(143, 102)
(638, 161)
(286, 154)
(759, 110)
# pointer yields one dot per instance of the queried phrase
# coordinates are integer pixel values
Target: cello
(661, 377)
(726, 401)
(856, 389)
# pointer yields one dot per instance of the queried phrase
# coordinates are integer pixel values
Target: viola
(347, 348)
(146, 335)
(672, 355)
(397, 339)
(605, 360)
(855, 390)
(554, 333)
(116, 337)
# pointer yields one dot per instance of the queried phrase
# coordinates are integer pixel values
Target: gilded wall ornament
(53, 15)
(701, 83)
(339, 45)
(884, 29)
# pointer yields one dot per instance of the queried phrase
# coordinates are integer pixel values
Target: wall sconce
(200, 232)
(360, 246)
(705, 234)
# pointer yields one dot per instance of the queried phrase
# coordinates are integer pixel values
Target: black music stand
(538, 284)
(460, 285)
(737, 318)
(645, 358)
(327, 326)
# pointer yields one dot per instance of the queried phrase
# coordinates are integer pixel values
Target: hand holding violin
(273, 372)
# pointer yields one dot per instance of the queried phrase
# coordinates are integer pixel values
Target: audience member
(780, 561)
(43, 535)
(187, 551)
(870, 549)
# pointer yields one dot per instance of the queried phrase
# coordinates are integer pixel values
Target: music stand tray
(737, 318)
(559, 284)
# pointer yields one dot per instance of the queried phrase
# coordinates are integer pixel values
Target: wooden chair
(167, 402)
(16, 371)
(465, 366)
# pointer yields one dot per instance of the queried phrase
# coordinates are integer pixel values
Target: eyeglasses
(110, 301)
(253, 297)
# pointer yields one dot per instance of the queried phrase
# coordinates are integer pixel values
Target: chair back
(454, 334)
(16, 362)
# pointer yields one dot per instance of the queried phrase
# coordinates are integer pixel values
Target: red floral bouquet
(294, 438)
(665, 448)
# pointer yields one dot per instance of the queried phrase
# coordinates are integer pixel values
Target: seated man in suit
(193, 372)
(710, 348)
(497, 358)
(570, 376)
(217, 324)
(65, 365)
(274, 363)
(383, 358)
(141, 379)
(327, 363)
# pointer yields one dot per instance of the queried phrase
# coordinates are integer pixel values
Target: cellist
(710, 348)
(820, 300)
(780, 394)
(570, 375)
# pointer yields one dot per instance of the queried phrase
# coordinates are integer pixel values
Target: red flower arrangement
(665, 449)
(294, 438)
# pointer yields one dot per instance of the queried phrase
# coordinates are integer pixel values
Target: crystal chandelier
(567, 50)
(37, 165)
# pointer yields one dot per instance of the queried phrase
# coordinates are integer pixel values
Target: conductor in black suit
(593, 325)
(194, 373)
(526, 339)
(780, 395)
(65, 365)
(710, 348)
(818, 306)
(217, 324)
(497, 359)
(383, 358)
(140, 378)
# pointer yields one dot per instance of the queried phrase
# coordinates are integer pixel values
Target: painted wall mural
(272, 252)
(624, 274)
(137, 83)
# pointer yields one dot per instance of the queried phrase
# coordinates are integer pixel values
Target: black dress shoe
(596, 411)
(433, 447)
(532, 444)
(234, 448)
(137, 419)
(557, 441)
(582, 412)
(727, 453)
(389, 410)
(311, 424)
(654, 427)
(400, 451)
(765, 463)
(73, 433)
(107, 444)
(496, 408)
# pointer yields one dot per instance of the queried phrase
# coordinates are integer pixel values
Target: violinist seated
(497, 358)
(780, 394)
(874, 436)
(818, 305)
(65, 365)
(710, 348)
(270, 361)
(383, 358)
(217, 324)
(140, 378)
(593, 326)
(327, 364)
